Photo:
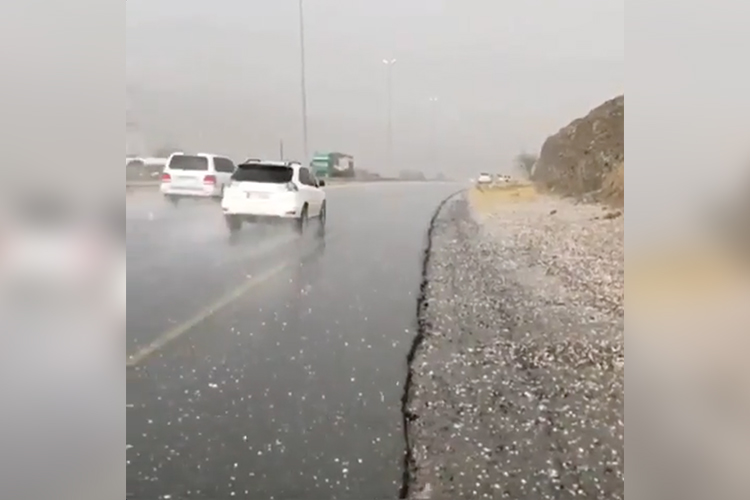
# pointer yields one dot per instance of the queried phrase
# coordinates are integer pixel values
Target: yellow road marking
(179, 330)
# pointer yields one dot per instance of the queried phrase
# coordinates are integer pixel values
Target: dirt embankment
(586, 158)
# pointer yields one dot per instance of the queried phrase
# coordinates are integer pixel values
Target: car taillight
(166, 177)
(290, 186)
(209, 179)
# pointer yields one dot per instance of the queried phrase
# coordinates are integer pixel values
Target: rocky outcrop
(587, 156)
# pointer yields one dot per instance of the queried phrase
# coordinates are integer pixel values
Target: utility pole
(389, 106)
(303, 79)
(281, 149)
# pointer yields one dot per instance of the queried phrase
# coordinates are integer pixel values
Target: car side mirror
(321, 183)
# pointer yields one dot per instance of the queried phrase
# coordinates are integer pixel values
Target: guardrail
(133, 184)
(150, 183)
(142, 184)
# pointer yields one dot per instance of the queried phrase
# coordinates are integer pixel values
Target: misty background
(224, 76)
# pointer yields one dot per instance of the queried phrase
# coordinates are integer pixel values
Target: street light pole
(389, 106)
(303, 79)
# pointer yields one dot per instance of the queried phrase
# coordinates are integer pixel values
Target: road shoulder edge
(410, 463)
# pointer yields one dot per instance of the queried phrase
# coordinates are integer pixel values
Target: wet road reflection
(291, 389)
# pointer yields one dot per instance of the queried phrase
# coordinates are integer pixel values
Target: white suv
(201, 175)
(484, 178)
(272, 191)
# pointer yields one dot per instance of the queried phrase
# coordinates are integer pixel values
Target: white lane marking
(179, 330)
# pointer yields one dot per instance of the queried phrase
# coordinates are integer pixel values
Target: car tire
(322, 220)
(173, 200)
(234, 224)
(301, 223)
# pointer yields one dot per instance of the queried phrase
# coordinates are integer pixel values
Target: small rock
(612, 215)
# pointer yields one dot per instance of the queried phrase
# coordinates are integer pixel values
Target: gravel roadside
(516, 383)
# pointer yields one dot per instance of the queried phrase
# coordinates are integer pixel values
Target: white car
(484, 178)
(274, 191)
(201, 175)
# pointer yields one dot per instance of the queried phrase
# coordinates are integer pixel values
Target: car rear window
(188, 162)
(255, 172)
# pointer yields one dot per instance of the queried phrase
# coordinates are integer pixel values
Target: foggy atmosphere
(226, 76)
(375, 249)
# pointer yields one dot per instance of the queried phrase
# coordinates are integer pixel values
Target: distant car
(502, 178)
(274, 191)
(484, 178)
(133, 162)
(196, 176)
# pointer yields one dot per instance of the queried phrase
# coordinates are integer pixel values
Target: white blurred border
(62, 427)
(688, 110)
(688, 155)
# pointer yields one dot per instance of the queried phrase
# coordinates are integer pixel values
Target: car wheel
(173, 200)
(233, 223)
(322, 220)
(220, 196)
(302, 221)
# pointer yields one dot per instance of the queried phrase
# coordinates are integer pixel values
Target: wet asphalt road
(292, 388)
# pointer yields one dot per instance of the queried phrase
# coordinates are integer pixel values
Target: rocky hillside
(586, 159)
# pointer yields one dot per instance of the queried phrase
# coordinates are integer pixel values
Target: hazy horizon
(225, 77)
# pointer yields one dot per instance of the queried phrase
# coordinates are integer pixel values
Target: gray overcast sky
(224, 75)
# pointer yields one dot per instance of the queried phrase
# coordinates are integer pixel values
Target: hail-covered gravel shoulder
(517, 385)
